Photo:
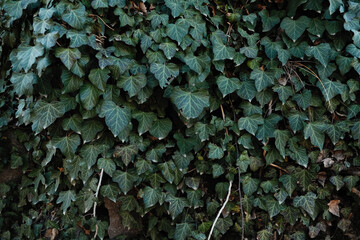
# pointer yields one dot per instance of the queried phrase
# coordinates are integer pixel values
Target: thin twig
(102, 21)
(97, 191)
(222, 208)
(278, 167)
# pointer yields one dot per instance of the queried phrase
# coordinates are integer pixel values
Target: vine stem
(97, 191)
(222, 208)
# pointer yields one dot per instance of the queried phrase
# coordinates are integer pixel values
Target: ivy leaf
(126, 153)
(204, 131)
(175, 6)
(335, 5)
(151, 196)
(283, 55)
(132, 84)
(66, 197)
(163, 71)
(268, 22)
(99, 77)
(281, 138)
(284, 93)
(320, 52)
(227, 85)
(295, 28)
(247, 90)
(182, 231)
(195, 63)
(23, 83)
(128, 203)
(176, 205)
(68, 56)
(67, 144)
(89, 129)
(145, 119)
(262, 79)
(75, 17)
(191, 104)
(110, 191)
(250, 185)
(303, 99)
(177, 31)
(315, 131)
(99, 4)
(116, 118)
(296, 121)
(337, 181)
(289, 183)
(215, 152)
(273, 207)
(89, 96)
(125, 180)
(250, 123)
(45, 114)
(107, 164)
(161, 128)
(169, 49)
(222, 52)
(306, 202)
(90, 152)
(26, 55)
(264, 234)
(330, 88)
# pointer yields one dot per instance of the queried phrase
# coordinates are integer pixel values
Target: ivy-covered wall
(150, 119)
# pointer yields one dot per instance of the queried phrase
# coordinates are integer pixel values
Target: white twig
(219, 213)
(97, 191)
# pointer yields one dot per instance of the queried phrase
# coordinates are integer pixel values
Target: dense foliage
(169, 102)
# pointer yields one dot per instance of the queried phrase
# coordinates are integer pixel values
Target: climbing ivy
(133, 119)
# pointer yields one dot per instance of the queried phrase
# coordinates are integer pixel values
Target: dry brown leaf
(328, 162)
(51, 233)
(143, 8)
(334, 207)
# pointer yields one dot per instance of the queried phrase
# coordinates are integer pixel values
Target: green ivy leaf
(289, 183)
(68, 56)
(337, 181)
(250, 185)
(262, 79)
(176, 205)
(66, 197)
(222, 52)
(99, 77)
(23, 83)
(116, 118)
(125, 180)
(169, 49)
(306, 202)
(176, 7)
(45, 114)
(151, 196)
(191, 104)
(107, 164)
(330, 88)
(75, 16)
(27, 55)
(132, 84)
(273, 207)
(295, 28)
(145, 119)
(110, 191)
(161, 128)
(127, 153)
(182, 231)
(215, 152)
(284, 93)
(99, 4)
(204, 131)
(164, 71)
(320, 52)
(315, 131)
(250, 123)
(228, 85)
(281, 138)
(177, 31)
(67, 144)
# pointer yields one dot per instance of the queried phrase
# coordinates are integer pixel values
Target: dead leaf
(328, 162)
(143, 8)
(51, 233)
(334, 207)
(322, 178)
